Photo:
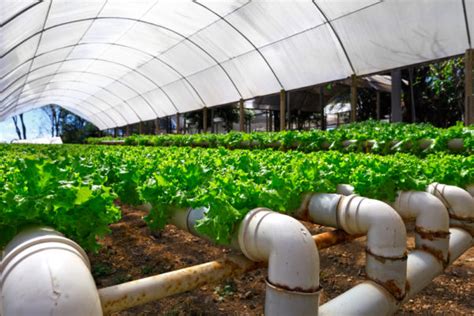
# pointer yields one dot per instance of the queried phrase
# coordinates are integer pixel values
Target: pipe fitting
(186, 219)
(458, 202)
(345, 189)
(386, 234)
(293, 261)
(432, 221)
(49, 272)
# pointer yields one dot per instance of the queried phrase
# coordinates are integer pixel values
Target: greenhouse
(240, 157)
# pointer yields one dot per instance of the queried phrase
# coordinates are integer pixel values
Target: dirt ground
(131, 252)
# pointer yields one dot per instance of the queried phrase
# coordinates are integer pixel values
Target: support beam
(353, 97)
(282, 110)
(140, 127)
(212, 121)
(469, 87)
(288, 110)
(321, 104)
(396, 105)
(127, 130)
(412, 95)
(115, 132)
(271, 128)
(204, 120)
(157, 126)
(241, 116)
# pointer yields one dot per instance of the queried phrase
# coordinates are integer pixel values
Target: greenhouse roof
(117, 62)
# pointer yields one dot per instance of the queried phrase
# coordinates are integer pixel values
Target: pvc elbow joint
(293, 261)
(432, 221)
(51, 275)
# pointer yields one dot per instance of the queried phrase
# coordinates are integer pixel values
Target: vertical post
(140, 127)
(396, 112)
(321, 104)
(266, 121)
(377, 104)
(212, 121)
(282, 109)
(184, 124)
(157, 125)
(469, 87)
(127, 130)
(353, 97)
(270, 121)
(288, 110)
(412, 95)
(204, 120)
(178, 123)
(115, 132)
(241, 116)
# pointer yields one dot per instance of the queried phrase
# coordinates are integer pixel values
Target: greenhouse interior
(236, 157)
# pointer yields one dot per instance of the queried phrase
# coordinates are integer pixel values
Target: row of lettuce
(370, 136)
(73, 187)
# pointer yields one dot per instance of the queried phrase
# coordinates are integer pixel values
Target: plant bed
(131, 252)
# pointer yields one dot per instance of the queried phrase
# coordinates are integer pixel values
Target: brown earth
(131, 252)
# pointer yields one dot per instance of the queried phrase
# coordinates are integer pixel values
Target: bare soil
(132, 252)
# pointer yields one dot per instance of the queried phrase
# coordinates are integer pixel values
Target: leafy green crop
(72, 187)
(369, 136)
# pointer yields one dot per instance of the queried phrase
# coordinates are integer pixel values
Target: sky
(36, 122)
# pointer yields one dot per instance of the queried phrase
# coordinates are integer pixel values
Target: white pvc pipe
(293, 261)
(458, 202)
(369, 298)
(432, 221)
(44, 273)
(386, 233)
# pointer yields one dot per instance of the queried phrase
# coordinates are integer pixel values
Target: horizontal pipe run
(127, 295)
(369, 298)
(386, 233)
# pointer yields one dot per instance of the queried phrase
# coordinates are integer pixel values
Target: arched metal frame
(339, 36)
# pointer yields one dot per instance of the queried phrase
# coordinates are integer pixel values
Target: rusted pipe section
(126, 295)
(458, 202)
(130, 294)
(293, 261)
(386, 233)
(431, 220)
(369, 298)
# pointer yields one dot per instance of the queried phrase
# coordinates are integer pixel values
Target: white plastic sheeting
(118, 62)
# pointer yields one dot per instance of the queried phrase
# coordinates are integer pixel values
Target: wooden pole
(469, 87)
(157, 125)
(204, 120)
(140, 127)
(321, 103)
(288, 110)
(412, 95)
(127, 130)
(353, 97)
(115, 132)
(396, 111)
(282, 110)
(241, 115)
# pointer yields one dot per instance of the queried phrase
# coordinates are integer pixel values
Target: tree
(23, 127)
(54, 113)
(439, 92)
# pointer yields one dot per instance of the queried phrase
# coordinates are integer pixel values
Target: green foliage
(72, 188)
(369, 136)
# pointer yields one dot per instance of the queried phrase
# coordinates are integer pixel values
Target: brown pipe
(126, 295)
